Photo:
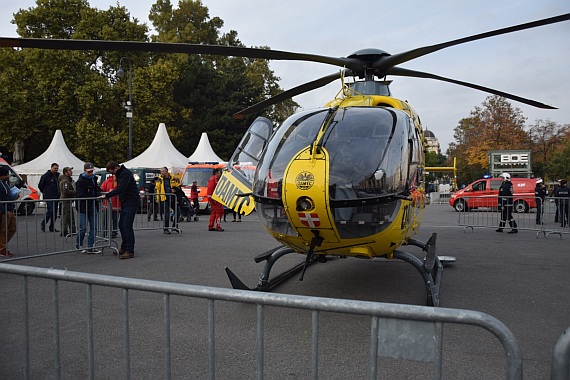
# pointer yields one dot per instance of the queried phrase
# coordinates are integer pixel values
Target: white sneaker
(93, 251)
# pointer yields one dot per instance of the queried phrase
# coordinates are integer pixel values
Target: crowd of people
(560, 192)
(119, 195)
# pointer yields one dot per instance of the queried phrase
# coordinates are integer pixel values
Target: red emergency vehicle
(485, 193)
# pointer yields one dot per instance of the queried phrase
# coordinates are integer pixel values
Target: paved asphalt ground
(519, 279)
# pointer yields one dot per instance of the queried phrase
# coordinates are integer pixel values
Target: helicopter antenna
(343, 86)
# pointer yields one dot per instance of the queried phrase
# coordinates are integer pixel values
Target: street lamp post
(129, 105)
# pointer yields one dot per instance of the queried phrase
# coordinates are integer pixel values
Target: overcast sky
(533, 64)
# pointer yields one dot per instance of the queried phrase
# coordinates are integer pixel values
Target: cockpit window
(369, 155)
(368, 150)
(294, 134)
(369, 158)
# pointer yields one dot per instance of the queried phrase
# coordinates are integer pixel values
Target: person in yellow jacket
(164, 185)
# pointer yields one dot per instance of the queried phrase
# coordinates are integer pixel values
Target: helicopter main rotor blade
(393, 60)
(418, 74)
(306, 87)
(167, 47)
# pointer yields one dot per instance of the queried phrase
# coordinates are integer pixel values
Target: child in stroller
(185, 209)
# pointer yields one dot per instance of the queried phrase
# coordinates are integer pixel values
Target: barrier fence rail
(396, 331)
(549, 217)
(561, 357)
(35, 237)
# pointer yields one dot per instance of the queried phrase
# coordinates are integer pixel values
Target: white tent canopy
(204, 151)
(57, 152)
(161, 152)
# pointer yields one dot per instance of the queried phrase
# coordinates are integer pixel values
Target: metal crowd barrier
(396, 331)
(482, 212)
(35, 238)
(437, 198)
(561, 357)
(31, 240)
(156, 209)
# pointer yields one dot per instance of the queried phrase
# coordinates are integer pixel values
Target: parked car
(485, 193)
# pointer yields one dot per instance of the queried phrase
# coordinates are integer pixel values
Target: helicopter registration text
(230, 192)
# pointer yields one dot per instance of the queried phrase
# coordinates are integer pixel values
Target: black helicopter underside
(431, 268)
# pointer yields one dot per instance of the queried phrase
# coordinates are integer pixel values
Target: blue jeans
(126, 227)
(51, 213)
(166, 208)
(85, 217)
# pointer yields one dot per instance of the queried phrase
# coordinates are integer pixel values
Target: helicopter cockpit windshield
(369, 153)
(369, 165)
(296, 133)
(368, 148)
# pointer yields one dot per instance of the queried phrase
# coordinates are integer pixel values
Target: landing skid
(430, 269)
(270, 257)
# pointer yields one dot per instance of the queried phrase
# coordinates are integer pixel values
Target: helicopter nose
(305, 192)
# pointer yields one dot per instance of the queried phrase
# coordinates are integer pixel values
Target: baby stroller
(185, 209)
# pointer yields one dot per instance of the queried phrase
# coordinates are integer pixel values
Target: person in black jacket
(563, 195)
(49, 186)
(540, 197)
(128, 193)
(86, 187)
(506, 204)
(556, 200)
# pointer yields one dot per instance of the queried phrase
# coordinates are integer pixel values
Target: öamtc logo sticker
(304, 180)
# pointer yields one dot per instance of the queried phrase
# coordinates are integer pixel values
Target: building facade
(432, 143)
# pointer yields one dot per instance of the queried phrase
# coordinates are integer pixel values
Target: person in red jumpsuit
(194, 196)
(216, 207)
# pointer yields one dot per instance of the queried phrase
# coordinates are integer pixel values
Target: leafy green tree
(51, 19)
(67, 90)
(189, 23)
(80, 93)
(210, 89)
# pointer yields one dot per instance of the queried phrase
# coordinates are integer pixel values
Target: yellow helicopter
(343, 180)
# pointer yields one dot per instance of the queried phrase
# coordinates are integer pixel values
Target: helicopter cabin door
(235, 186)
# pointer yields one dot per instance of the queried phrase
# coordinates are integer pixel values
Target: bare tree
(545, 136)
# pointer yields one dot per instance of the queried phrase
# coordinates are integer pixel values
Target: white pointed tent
(57, 152)
(204, 151)
(161, 152)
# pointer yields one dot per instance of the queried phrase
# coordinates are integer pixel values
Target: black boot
(501, 225)
(513, 225)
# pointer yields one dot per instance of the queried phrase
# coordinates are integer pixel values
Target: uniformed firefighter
(506, 204)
